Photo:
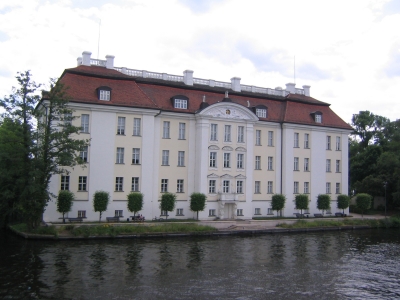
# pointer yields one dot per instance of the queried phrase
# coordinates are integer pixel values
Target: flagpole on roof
(98, 41)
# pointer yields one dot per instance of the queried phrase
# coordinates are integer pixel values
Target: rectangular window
(225, 186)
(257, 187)
(179, 186)
(68, 119)
(213, 159)
(337, 166)
(261, 112)
(227, 136)
(257, 163)
(270, 138)
(121, 126)
(328, 165)
(164, 185)
(239, 187)
(270, 163)
(328, 187)
(211, 186)
(82, 183)
(105, 95)
(337, 187)
(306, 164)
(135, 184)
(182, 131)
(181, 158)
(214, 131)
(64, 183)
(136, 156)
(296, 140)
(119, 182)
(165, 158)
(227, 160)
(328, 142)
(85, 123)
(81, 213)
(179, 211)
(166, 125)
(181, 103)
(118, 213)
(240, 134)
(306, 140)
(84, 154)
(318, 118)
(136, 126)
(306, 187)
(239, 212)
(270, 187)
(240, 161)
(270, 211)
(296, 164)
(338, 143)
(257, 211)
(258, 137)
(120, 156)
(211, 212)
(296, 187)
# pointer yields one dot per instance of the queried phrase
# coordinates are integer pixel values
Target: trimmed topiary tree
(135, 202)
(343, 202)
(278, 202)
(64, 202)
(100, 202)
(301, 202)
(363, 202)
(197, 202)
(167, 203)
(323, 202)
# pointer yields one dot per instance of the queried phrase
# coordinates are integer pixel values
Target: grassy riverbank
(392, 222)
(111, 230)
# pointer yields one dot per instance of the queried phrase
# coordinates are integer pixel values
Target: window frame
(166, 130)
(296, 140)
(135, 184)
(306, 187)
(306, 164)
(212, 159)
(261, 112)
(164, 185)
(270, 163)
(137, 126)
(239, 187)
(240, 134)
(257, 162)
(257, 187)
(182, 131)
(180, 103)
(296, 164)
(181, 158)
(338, 143)
(65, 180)
(121, 126)
(328, 188)
(258, 137)
(120, 153)
(226, 186)
(270, 187)
(212, 186)
(228, 134)
(270, 138)
(165, 158)
(214, 132)
(328, 165)
(240, 161)
(306, 141)
(119, 184)
(328, 143)
(135, 156)
(82, 183)
(84, 154)
(227, 160)
(180, 186)
(295, 187)
(84, 123)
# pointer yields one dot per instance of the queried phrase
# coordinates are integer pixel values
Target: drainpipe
(281, 158)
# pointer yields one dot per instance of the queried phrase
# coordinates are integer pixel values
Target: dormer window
(104, 93)
(180, 102)
(261, 111)
(317, 116)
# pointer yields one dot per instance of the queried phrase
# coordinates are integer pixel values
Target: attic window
(261, 111)
(104, 93)
(317, 116)
(180, 103)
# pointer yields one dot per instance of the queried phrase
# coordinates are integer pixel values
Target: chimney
(79, 61)
(306, 89)
(291, 88)
(188, 77)
(86, 58)
(110, 61)
(235, 84)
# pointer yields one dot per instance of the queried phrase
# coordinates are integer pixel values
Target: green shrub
(100, 201)
(64, 202)
(135, 202)
(167, 203)
(197, 202)
(301, 201)
(363, 202)
(343, 202)
(278, 202)
(323, 202)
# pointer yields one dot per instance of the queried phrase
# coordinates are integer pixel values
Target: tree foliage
(197, 202)
(47, 143)
(64, 202)
(343, 202)
(278, 202)
(100, 202)
(323, 202)
(167, 203)
(135, 202)
(301, 202)
(363, 202)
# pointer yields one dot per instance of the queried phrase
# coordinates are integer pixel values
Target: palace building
(237, 144)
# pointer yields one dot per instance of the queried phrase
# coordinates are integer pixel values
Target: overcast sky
(348, 51)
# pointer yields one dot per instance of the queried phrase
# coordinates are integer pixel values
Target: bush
(278, 202)
(197, 202)
(301, 201)
(323, 202)
(100, 201)
(343, 202)
(363, 202)
(135, 202)
(64, 202)
(168, 201)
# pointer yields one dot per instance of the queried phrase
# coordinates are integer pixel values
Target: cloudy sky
(348, 51)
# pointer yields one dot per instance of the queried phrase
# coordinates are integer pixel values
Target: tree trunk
(197, 215)
(63, 218)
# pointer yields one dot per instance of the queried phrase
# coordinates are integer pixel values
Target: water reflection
(336, 265)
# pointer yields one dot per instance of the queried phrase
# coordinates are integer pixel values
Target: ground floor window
(240, 212)
(211, 212)
(270, 211)
(81, 213)
(179, 211)
(257, 211)
(119, 213)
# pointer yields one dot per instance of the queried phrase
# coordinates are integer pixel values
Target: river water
(363, 264)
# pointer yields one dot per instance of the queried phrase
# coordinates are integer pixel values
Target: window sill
(119, 163)
(257, 145)
(135, 164)
(296, 170)
(165, 165)
(257, 169)
(180, 215)
(240, 215)
(257, 214)
(181, 166)
(180, 192)
(270, 169)
(271, 146)
(81, 191)
(166, 138)
(181, 139)
(84, 132)
(136, 135)
(213, 216)
(120, 134)
(118, 191)
(135, 191)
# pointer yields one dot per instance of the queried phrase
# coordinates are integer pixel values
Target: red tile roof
(148, 93)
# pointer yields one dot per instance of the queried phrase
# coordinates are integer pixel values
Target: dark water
(363, 264)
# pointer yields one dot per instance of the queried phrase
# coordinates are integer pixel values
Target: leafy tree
(343, 202)
(64, 202)
(135, 202)
(278, 202)
(363, 202)
(301, 202)
(323, 202)
(197, 202)
(100, 202)
(168, 201)
(368, 127)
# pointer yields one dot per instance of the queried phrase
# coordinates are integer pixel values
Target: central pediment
(229, 110)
